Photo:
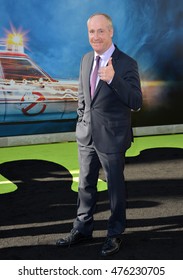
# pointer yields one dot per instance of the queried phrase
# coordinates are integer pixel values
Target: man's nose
(95, 35)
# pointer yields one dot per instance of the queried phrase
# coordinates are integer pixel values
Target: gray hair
(102, 14)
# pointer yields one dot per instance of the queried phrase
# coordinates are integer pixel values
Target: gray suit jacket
(107, 118)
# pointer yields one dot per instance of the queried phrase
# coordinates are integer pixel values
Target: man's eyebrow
(100, 29)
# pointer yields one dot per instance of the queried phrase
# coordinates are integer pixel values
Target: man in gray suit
(104, 131)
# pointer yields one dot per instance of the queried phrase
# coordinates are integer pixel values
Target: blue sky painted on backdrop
(148, 30)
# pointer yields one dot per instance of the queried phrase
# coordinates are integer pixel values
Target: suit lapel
(88, 69)
(97, 89)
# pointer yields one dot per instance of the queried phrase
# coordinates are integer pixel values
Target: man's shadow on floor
(44, 197)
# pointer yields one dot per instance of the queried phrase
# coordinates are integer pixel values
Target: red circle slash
(26, 110)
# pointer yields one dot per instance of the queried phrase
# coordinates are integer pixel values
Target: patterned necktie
(94, 76)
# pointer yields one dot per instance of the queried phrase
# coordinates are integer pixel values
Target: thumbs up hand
(106, 73)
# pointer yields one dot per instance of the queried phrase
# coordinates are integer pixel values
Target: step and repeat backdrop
(42, 43)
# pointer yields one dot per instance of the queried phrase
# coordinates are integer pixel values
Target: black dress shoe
(111, 246)
(73, 238)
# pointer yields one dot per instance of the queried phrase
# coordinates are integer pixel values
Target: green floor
(65, 154)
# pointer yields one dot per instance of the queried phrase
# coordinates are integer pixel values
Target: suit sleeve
(81, 103)
(127, 85)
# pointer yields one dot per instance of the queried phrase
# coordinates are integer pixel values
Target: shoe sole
(110, 253)
(84, 240)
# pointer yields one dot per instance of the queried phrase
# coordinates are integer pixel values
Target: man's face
(100, 33)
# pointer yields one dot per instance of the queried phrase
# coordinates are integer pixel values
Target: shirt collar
(107, 54)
